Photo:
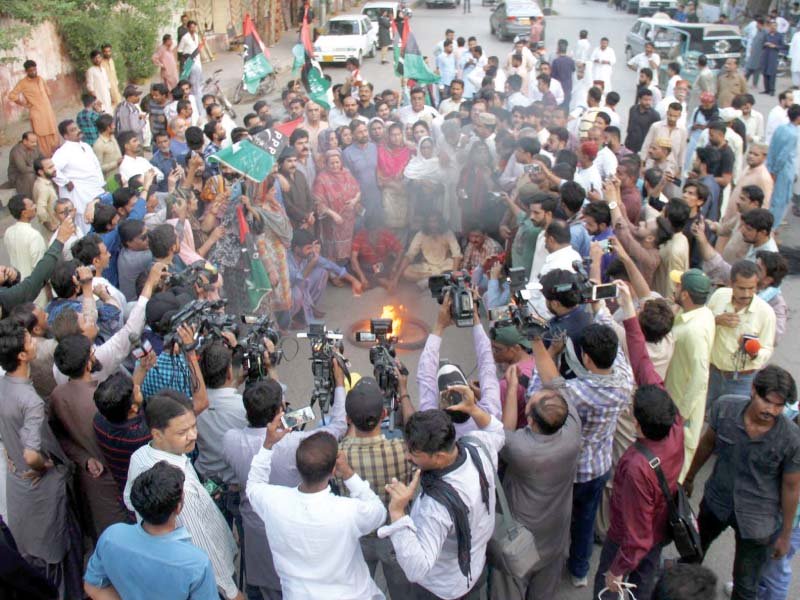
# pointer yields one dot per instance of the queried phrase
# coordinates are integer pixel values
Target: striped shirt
(376, 460)
(200, 516)
(118, 442)
(598, 399)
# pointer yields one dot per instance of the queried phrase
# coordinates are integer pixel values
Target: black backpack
(681, 521)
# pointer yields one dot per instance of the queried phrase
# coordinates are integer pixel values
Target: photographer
(441, 543)
(91, 251)
(511, 349)
(600, 390)
(163, 243)
(13, 291)
(112, 353)
(431, 379)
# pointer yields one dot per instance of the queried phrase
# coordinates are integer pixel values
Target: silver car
(514, 17)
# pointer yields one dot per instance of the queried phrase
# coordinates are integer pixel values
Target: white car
(348, 36)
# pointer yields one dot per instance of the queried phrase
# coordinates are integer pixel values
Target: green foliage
(131, 27)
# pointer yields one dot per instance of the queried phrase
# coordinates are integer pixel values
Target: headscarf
(420, 167)
(392, 160)
(328, 154)
(323, 140)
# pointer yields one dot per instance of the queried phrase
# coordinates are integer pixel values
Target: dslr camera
(194, 275)
(456, 285)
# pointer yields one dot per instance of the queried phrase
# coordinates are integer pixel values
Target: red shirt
(385, 244)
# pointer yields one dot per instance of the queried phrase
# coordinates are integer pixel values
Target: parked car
(374, 9)
(514, 17)
(684, 42)
(645, 8)
(347, 36)
(450, 3)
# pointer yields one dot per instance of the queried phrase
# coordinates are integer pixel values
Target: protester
(31, 92)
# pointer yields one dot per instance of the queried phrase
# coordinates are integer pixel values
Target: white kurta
(25, 246)
(76, 162)
(97, 83)
(603, 72)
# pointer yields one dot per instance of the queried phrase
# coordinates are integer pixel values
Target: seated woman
(437, 249)
(375, 255)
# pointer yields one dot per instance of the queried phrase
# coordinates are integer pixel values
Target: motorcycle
(212, 86)
(265, 86)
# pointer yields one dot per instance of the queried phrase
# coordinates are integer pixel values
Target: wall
(44, 46)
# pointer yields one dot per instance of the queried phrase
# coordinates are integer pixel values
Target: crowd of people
(138, 453)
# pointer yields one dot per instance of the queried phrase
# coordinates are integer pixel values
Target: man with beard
(78, 172)
(642, 115)
(687, 375)
(361, 159)
(44, 193)
(439, 250)
(296, 191)
(671, 129)
(132, 163)
(215, 132)
(31, 92)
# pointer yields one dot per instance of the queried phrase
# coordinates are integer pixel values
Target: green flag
(318, 87)
(414, 66)
(256, 65)
(299, 54)
(246, 158)
(187, 67)
(258, 284)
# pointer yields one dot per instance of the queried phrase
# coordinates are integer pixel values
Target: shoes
(728, 589)
(579, 582)
(319, 314)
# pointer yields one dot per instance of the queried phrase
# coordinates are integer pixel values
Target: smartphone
(298, 418)
(605, 291)
(142, 350)
(606, 245)
(500, 313)
(532, 168)
(495, 196)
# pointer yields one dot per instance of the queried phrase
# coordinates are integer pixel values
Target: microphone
(751, 346)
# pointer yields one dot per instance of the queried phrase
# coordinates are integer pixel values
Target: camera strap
(572, 359)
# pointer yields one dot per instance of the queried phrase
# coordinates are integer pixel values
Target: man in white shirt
(606, 162)
(603, 59)
(777, 116)
(189, 45)
(453, 102)
(97, 81)
(91, 251)
(418, 110)
(648, 58)
(78, 173)
(583, 49)
(528, 59)
(794, 57)
(556, 89)
(24, 244)
(314, 534)
(132, 164)
(540, 209)
(672, 129)
(674, 76)
(515, 95)
(441, 543)
(752, 119)
(171, 419)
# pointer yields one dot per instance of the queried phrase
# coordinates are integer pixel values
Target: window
(343, 28)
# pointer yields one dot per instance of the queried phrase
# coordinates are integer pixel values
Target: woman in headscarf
(274, 236)
(424, 179)
(393, 156)
(449, 160)
(345, 136)
(474, 185)
(377, 131)
(337, 197)
(703, 115)
(327, 140)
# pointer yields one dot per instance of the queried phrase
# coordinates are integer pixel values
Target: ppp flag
(256, 65)
(246, 158)
(317, 86)
(412, 65)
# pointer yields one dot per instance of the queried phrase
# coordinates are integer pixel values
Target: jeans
(720, 385)
(750, 558)
(586, 498)
(777, 575)
(644, 575)
(378, 550)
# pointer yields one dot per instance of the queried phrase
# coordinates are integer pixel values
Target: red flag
(305, 35)
(287, 128)
(249, 29)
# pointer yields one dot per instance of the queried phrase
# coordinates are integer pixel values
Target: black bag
(682, 522)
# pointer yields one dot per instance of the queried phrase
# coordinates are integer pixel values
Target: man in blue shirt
(309, 273)
(134, 560)
(446, 67)
(163, 158)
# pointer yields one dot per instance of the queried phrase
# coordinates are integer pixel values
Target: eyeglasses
(64, 211)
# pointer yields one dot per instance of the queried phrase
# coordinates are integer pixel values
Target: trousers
(586, 498)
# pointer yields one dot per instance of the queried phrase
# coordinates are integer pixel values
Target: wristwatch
(612, 205)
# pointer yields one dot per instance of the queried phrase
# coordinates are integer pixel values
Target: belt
(734, 374)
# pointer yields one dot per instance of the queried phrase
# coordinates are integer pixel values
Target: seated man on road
(438, 248)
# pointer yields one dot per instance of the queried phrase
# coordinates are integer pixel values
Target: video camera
(518, 313)
(205, 317)
(456, 285)
(253, 347)
(190, 276)
(382, 356)
(326, 346)
(589, 291)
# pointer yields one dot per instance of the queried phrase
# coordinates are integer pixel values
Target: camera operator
(441, 543)
(600, 390)
(558, 254)
(432, 380)
(13, 291)
(570, 316)
(111, 353)
(511, 349)
(163, 243)
(315, 534)
(377, 460)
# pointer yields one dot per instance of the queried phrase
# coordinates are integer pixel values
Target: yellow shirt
(758, 320)
(687, 375)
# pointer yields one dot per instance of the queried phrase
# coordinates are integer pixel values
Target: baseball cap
(510, 336)
(693, 280)
(364, 404)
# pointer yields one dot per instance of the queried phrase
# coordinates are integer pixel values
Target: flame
(390, 312)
